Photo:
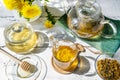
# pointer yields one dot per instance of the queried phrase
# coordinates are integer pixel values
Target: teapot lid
(18, 32)
(88, 8)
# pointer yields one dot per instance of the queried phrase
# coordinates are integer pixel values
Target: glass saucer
(43, 42)
(11, 69)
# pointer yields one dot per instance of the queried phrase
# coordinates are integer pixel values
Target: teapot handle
(113, 27)
(80, 47)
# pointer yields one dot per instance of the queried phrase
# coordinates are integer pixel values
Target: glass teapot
(87, 21)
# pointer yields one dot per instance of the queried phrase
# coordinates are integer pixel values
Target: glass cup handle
(113, 27)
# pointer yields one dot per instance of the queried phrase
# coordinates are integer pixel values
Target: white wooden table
(6, 17)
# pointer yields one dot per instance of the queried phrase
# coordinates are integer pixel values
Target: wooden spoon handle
(10, 56)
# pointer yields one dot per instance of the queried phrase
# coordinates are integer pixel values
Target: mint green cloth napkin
(105, 45)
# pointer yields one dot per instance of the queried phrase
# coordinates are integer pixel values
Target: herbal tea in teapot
(87, 21)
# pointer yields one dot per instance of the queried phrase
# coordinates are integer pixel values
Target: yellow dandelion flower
(48, 24)
(13, 4)
(31, 11)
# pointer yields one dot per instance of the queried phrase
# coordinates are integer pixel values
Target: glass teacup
(65, 56)
(20, 37)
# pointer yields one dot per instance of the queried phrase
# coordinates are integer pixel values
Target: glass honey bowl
(20, 37)
(65, 56)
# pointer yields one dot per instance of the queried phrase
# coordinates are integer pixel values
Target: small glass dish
(108, 68)
(12, 69)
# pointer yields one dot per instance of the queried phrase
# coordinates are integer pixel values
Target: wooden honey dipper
(23, 64)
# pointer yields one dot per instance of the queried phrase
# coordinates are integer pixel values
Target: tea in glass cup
(65, 55)
(20, 37)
